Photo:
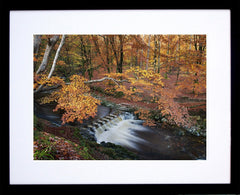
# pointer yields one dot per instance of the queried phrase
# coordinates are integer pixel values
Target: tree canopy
(137, 66)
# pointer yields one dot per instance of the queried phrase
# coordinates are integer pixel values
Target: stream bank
(159, 143)
(66, 143)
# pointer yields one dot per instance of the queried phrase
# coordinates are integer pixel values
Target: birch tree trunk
(56, 56)
(51, 42)
(54, 62)
(36, 43)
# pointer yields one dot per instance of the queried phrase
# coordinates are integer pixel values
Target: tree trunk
(112, 40)
(141, 55)
(136, 64)
(148, 51)
(141, 58)
(56, 56)
(95, 40)
(159, 49)
(155, 52)
(51, 42)
(168, 52)
(177, 60)
(131, 60)
(106, 40)
(120, 64)
(190, 43)
(36, 43)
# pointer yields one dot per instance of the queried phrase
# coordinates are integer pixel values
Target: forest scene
(119, 97)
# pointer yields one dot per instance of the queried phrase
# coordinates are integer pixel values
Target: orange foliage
(183, 56)
(145, 116)
(44, 80)
(74, 99)
(171, 110)
(142, 82)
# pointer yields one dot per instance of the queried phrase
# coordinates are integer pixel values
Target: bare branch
(106, 78)
(117, 82)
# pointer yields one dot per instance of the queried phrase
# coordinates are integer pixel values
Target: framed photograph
(120, 97)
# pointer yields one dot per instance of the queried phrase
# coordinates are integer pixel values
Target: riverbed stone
(164, 120)
(89, 135)
(196, 130)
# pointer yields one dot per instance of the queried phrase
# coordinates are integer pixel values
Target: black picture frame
(232, 188)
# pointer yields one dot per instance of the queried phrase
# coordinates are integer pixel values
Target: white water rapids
(121, 131)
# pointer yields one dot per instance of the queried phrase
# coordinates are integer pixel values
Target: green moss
(37, 123)
(85, 154)
(117, 152)
(118, 94)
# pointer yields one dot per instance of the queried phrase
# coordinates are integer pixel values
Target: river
(149, 143)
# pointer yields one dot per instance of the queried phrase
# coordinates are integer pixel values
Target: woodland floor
(194, 102)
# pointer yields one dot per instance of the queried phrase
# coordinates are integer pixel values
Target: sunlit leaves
(75, 100)
(44, 80)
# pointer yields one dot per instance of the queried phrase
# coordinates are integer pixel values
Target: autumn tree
(141, 82)
(134, 65)
(74, 99)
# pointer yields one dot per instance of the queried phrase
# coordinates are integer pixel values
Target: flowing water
(121, 130)
(150, 143)
(125, 130)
